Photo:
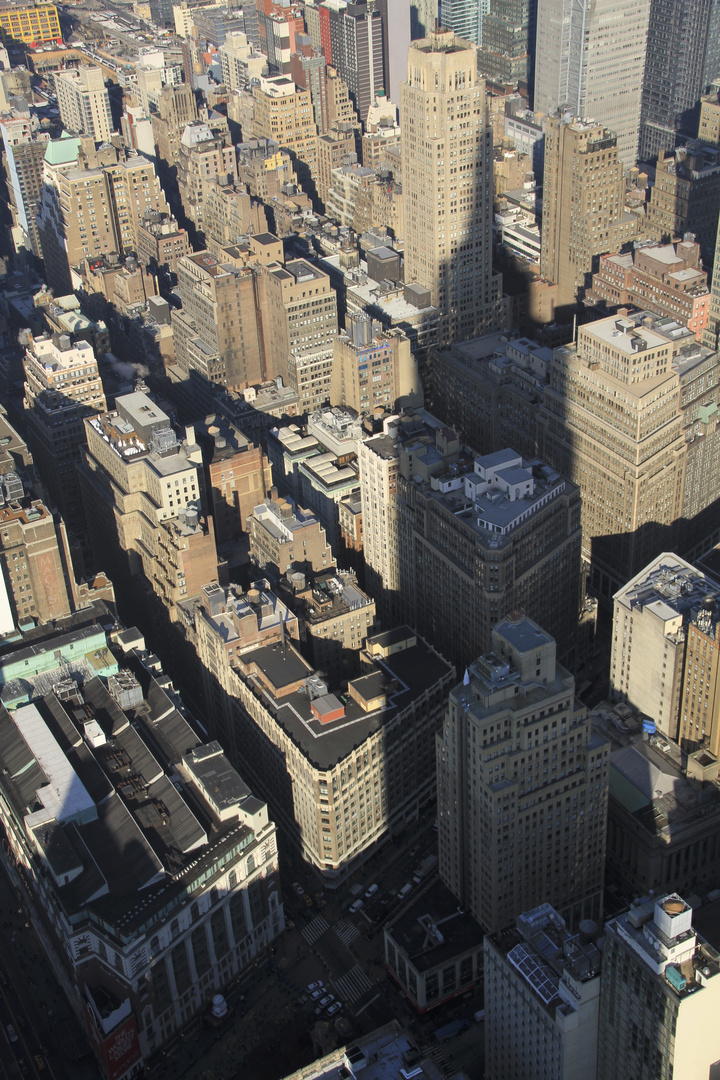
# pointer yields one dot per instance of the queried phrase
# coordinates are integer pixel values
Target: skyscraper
(522, 785)
(678, 35)
(590, 60)
(629, 413)
(507, 51)
(84, 102)
(659, 995)
(465, 18)
(583, 204)
(447, 185)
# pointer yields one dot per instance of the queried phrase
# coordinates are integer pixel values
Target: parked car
(334, 1008)
(325, 1000)
(297, 887)
(11, 1033)
(315, 986)
(371, 891)
(315, 994)
(404, 891)
(355, 906)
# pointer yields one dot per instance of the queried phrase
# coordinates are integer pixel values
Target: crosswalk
(315, 929)
(353, 984)
(347, 931)
(435, 1053)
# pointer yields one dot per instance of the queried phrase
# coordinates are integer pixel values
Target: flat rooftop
(413, 931)
(407, 675)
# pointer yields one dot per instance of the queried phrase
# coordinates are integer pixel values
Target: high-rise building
(176, 107)
(62, 387)
(652, 617)
(84, 102)
(29, 23)
(590, 60)
(239, 61)
(284, 537)
(298, 307)
(583, 204)
(284, 112)
(216, 330)
(679, 39)
(302, 743)
(464, 17)
(686, 197)
(659, 994)
(335, 145)
(396, 20)
(373, 369)
(237, 475)
(479, 537)
(203, 154)
(134, 475)
(507, 52)
(23, 156)
(85, 212)
(542, 1000)
(447, 185)
(629, 414)
(522, 785)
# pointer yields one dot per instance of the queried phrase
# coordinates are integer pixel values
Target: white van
(404, 891)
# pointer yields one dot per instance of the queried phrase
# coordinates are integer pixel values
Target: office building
(298, 308)
(464, 17)
(709, 122)
(542, 1000)
(663, 809)
(373, 368)
(659, 993)
(84, 102)
(333, 147)
(134, 475)
(31, 24)
(237, 475)
(381, 138)
(678, 43)
(476, 537)
(361, 60)
(90, 212)
(284, 537)
(204, 849)
(340, 776)
(62, 387)
(590, 61)
(23, 156)
(203, 154)
(667, 278)
(161, 243)
(583, 204)
(175, 109)
(654, 617)
(627, 378)
(685, 197)
(522, 785)
(216, 331)
(214, 23)
(507, 52)
(447, 186)
(284, 113)
(240, 63)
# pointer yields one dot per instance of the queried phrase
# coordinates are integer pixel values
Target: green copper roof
(63, 150)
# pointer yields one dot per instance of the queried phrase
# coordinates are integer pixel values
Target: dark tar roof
(459, 930)
(408, 674)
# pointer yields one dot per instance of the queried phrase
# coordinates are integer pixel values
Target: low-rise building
(433, 950)
(665, 278)
(154, 865)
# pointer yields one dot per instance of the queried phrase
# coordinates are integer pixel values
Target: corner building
(448, 185)
(522, 786)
